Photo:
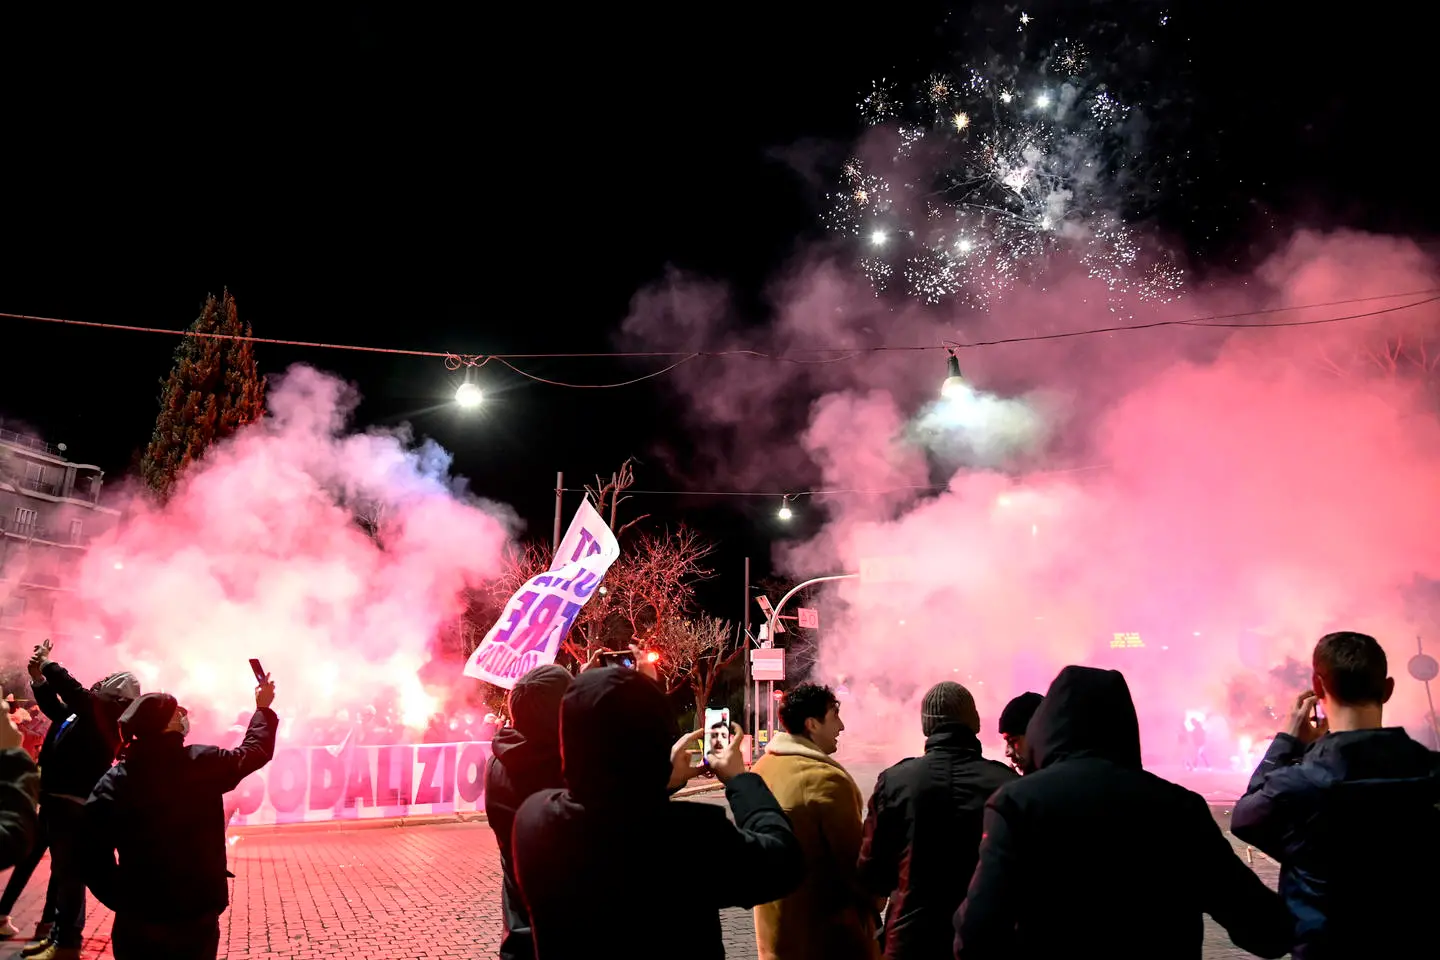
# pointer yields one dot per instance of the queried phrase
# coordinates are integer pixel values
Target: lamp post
(772, 619)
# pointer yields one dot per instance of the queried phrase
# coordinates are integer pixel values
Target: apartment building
(49, 511)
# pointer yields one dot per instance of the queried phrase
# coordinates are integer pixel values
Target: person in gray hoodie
(524, 759)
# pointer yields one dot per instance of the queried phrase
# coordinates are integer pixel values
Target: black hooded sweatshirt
(1091, 855)
(525, 759)
(608, 864)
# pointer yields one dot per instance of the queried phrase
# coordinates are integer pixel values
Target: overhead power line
(804, 355)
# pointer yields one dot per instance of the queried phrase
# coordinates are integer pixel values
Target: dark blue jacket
(76, 752)
(1354, 824)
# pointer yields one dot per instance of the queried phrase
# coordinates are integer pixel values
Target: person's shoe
(37, 948)
(56, 952)
(42, 931)
(7, 929)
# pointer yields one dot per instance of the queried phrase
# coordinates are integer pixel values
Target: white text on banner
(537, 618)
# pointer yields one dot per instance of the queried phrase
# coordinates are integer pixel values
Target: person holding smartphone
(161, 809)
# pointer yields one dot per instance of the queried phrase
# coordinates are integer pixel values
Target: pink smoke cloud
(259, 555)
(1228, 494)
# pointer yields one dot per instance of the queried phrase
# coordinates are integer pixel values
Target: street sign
(809, 619)
(769, 612)
(767, 665)
(1422, 667)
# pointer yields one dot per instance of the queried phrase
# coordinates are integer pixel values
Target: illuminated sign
(1126, 641)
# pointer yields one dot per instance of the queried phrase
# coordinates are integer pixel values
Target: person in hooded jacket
(80, 746)
(614, 828)
(1092, 855)
(161, 808)
(922, 832)
(1348, 808)
(524, 759)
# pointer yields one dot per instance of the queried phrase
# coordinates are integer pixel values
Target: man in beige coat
(829, 917)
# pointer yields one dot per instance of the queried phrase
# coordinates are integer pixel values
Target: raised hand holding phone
(729, 762)
(265, 687)
(681, 768)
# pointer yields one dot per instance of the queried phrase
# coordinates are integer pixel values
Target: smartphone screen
(618, 658)
(717, 730)
(258, 670)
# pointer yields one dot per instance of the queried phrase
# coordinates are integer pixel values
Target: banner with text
(536, 620)
(307, 784)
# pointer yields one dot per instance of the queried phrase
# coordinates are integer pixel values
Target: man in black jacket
(80, 746)
(1348, 807)
(1091, 855)
(1014, 721)
(614, 829)
(922, 832)
(161, 809)
(525, 759)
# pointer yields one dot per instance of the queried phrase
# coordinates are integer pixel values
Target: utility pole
(745, 641)
(559, 507)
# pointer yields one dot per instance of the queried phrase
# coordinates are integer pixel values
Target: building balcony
(39, 531)
(29, 442)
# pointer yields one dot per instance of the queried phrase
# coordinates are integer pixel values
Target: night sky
(504, 180)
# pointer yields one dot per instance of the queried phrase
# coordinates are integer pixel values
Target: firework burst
(994, 172)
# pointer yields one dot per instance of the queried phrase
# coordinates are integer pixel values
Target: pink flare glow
(259, 555)
(1244, 491)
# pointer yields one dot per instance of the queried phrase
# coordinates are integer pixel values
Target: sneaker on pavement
(37, 948)
(56, 952)
(7, 929)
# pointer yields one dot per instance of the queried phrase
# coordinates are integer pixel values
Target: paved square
(386, 893)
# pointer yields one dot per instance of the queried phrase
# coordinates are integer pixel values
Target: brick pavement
(384, 893)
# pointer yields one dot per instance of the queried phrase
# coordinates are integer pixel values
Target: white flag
(535, 621)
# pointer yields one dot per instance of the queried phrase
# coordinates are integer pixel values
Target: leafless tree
(694, 652)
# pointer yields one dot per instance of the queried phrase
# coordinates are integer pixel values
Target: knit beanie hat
(948, 702)
(1015, 718)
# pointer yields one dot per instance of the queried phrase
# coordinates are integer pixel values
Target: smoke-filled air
(1194, 505)
(335, 558)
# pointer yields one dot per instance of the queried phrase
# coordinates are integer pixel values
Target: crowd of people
(116, 778)
(1073, 849)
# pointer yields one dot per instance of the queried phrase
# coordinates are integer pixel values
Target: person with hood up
(922, 834)
(830, 916)
(1014, 720)
(1347, 806)
(524, 759)
(161, 809)
(80, 746)
(614, 828)
(1091, 855)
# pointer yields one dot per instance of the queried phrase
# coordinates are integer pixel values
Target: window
(75, 527)
(25, 520)
(34, 471)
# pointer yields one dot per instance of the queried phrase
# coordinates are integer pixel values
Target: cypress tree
(213, 389)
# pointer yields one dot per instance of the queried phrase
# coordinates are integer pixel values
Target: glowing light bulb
(468, 396)
(785, 512)
(878, 238)
(954, 384)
